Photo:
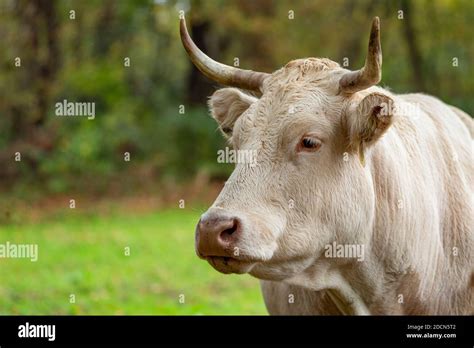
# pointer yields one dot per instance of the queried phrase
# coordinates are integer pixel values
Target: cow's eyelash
(308, 143)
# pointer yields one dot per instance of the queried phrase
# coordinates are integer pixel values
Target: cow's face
(307, 185)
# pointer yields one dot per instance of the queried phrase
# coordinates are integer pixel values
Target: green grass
(84, 255)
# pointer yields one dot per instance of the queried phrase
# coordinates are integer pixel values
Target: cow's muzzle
(218, 234)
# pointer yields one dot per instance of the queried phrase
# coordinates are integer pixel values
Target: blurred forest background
(154, 108)
(138, 107)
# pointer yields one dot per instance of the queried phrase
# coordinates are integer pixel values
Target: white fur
(410, 204)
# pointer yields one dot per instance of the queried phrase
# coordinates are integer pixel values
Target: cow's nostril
(217, 235)
(229, 233)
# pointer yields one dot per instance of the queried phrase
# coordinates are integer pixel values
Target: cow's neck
(323, 276)
(347, 300)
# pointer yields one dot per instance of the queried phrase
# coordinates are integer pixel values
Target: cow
(360, 201)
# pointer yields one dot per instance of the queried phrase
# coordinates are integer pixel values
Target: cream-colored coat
(400, 184)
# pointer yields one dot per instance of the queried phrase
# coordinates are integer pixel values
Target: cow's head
(313, 129)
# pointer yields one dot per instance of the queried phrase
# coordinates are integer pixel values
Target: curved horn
(371, 73)
(224, 74)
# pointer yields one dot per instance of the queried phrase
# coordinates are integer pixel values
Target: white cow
(361, 200)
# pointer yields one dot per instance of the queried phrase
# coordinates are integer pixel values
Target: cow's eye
(309, 144)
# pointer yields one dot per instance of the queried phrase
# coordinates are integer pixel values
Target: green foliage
(137, 106)
(191, 141)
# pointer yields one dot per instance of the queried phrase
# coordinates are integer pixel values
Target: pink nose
(217, 234)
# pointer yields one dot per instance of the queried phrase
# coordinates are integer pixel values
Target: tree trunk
(198, 86)
(412, 44)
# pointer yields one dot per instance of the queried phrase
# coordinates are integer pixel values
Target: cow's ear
(227, 105)
(368, 120)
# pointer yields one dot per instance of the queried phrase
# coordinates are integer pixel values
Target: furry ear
(226, 105)
(368, 121)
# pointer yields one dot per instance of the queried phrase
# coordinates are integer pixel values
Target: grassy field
(84, 255)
